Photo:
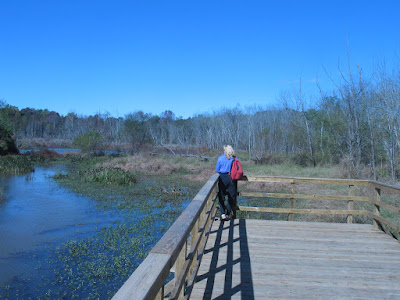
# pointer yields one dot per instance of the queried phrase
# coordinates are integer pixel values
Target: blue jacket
(223, 164)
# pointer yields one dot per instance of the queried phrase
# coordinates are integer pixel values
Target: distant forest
(357, 124)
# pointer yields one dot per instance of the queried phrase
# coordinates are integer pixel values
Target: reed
(108, 176)
(15, 164)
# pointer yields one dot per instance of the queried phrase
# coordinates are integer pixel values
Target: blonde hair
(228, 151)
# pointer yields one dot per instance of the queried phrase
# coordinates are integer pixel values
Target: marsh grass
(108, 176)
(15, 164)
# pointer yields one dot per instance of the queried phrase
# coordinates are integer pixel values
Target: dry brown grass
(139, 163)
(191, 168)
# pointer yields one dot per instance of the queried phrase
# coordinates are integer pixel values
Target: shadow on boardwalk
(223, 251)
(264, 259)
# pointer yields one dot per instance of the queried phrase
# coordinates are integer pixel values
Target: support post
(160, 295)
(350, 203)
(377, 208)
(194, 237)
(179, 263)
(291, 200)
(235, 205)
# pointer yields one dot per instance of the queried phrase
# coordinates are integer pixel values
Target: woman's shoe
(224, 217)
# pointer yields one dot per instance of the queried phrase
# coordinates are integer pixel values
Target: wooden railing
(376, 200)
(178, 252)
(171, 266)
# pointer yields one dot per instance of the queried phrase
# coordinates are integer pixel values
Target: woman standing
(225, 182)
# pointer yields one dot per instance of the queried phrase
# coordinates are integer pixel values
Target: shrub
(7, 142)
(302, 160)
(44, 155)
(91, 141)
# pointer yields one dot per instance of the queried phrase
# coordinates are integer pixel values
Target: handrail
(378, 220)
(180, 249)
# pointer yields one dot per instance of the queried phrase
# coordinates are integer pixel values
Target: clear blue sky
(187, 56)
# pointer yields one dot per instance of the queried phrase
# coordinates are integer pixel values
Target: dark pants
(226, 186)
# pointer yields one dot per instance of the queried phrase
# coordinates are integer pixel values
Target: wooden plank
(285, 290)
(303, 196)
(288, 292)
(307, 225)
(350, 204)
(381, 185)
(303, 210)
(173, 240)
(385, 205)
(291, 200)
(193, 257)
(206, 190)
(327, 261)
(307, 180)
(384, 221)
(150, 273)
(180, 272)
(201, 248)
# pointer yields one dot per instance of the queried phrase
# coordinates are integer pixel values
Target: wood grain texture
(308, 180)
(384, 221)
(151, 272)
(304, 210)
(384, 186)
(304, 196)
(261, 259)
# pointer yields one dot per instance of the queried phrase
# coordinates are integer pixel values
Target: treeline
(357, 124)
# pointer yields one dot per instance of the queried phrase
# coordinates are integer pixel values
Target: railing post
(179, 263)
(291, 200)
(193, 239)
(350, 204)
(377, 208)
(160, 295)
(234, 208)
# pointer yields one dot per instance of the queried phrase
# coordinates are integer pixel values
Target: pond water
(37, 215)
(73, 150)
(56, 244)
(58, 150)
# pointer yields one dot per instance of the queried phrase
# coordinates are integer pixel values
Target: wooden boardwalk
(259, 259)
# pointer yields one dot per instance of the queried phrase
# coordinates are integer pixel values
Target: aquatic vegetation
(60, 175)
(108, 176)
(95, 267)
(15, 164)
